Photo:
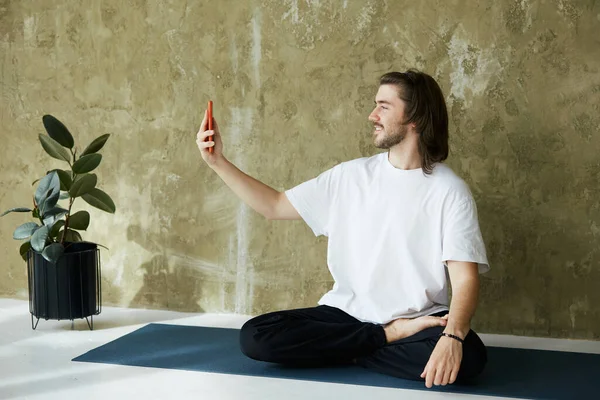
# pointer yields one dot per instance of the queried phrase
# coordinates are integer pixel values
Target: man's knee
(253, 346)
(248, 343)
(474, 358)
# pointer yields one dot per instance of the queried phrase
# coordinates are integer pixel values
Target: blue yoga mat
(535, 374)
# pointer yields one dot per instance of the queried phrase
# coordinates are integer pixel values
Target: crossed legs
(323, 335)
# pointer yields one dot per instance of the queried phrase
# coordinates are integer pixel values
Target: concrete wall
(293, 82)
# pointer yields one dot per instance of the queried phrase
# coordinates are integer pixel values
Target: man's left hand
(444, 363)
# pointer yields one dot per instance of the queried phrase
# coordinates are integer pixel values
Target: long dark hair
(426, 107)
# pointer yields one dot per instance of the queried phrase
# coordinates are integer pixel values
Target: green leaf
(71, 236)
(53, 252)
(47, 193)
(54, 149)
(58, 131)
(96, 145)
(65, 179)
(47, 183)
(80, 220)
(56, 228)
(18, 209)
(64, 196)
(97, 198)
(87, 163)
(24, 249)
(39, 179)
(39, 237)
(83, 184)
(25, 231)
(53, 215)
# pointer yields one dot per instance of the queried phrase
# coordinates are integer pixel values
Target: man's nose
(373, 117)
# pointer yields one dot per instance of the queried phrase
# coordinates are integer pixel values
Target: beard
(388, 138)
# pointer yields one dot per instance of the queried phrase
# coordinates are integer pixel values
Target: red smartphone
(210, 123)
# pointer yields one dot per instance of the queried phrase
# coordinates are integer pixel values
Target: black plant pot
(69, 289)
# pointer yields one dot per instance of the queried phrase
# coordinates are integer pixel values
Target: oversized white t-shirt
(390, 232)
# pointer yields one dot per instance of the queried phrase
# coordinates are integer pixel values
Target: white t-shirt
(390, 233)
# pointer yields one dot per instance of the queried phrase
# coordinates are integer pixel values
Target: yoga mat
(522, 373)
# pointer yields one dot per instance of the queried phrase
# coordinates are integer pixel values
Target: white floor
(37, 364)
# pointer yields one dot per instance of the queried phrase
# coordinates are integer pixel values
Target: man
(396, 222)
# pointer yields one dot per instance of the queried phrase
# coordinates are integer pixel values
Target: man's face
(387, 118)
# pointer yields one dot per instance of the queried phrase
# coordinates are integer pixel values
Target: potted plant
(63, 270)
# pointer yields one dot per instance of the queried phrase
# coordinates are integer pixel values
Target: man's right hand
(211, 158)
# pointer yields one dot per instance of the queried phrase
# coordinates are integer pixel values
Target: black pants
(324, 335)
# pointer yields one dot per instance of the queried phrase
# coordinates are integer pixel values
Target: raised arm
(265, 200)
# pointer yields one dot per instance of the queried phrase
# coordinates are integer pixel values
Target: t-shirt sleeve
(313, 199)
(462, 240)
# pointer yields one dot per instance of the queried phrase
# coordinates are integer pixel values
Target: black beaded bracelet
(452, 336)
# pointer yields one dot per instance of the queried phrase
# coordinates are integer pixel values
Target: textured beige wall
(293, 82)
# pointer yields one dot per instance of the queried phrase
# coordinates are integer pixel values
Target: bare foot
(405, 327)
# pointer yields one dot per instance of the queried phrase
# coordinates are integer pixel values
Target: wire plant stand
(69, 289)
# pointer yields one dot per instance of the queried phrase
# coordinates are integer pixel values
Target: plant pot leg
(36, 322)
(88, 322)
